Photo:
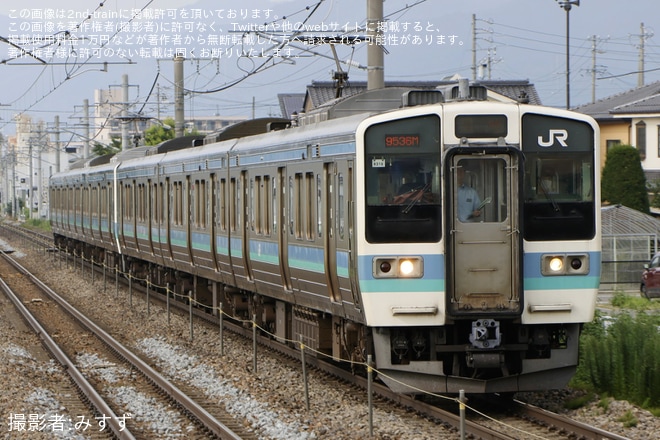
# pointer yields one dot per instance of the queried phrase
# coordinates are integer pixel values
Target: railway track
(518, 421)
(89, 354)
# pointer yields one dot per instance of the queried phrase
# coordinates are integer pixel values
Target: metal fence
(623, 259)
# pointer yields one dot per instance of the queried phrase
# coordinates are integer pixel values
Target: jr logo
(559, 135)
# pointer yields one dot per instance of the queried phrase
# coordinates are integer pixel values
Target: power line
(75, 71)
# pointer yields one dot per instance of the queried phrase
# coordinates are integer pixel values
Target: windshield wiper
(548, 196)
(419, 194)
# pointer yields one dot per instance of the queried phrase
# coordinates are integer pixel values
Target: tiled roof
(645, 99)
(291, 103)
(320, 92)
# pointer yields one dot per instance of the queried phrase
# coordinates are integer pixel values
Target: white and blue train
(455, 239)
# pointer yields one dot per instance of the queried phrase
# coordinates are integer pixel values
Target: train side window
(297, 214)
(239, 206)
(128, 202)
(141, 205)
(163, 199)
(194, 203)
(200, 203)
(155, 202)
(205, 211)
(133, 191)
(223, 204)
(340, 205)
(232, 209)
(319, 210)
(291, 211)
(309, 208)
(82, 204)
(110, 203)
(131, 201)
(174, 196)
(178, 204)
(143, 202)
(274, 204)
(254, 201)
(265, 214)
(95, 201)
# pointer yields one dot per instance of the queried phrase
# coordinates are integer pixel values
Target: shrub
(622, 359)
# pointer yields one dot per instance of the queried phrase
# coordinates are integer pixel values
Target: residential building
(632, 118)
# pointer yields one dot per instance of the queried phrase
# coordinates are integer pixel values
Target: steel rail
(78, 378)
(211, 423)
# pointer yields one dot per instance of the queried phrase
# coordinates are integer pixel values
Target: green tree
(158, 133)
(102, 150)
(623, 181)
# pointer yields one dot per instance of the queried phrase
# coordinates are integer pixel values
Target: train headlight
(565, 264)
(556, 264)
(398, 267)
(406, 267)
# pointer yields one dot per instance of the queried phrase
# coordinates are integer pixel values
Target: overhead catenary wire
(71, 73)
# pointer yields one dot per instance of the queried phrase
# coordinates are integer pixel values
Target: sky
(238, 58)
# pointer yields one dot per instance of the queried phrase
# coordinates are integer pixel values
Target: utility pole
(375, 56)
(13, 184)
(57, 144)
(594, 67)
(86, 126)
(474, 47)
(40, 186)
(643, 35)
(158, 101)
(178, 96)
(567, 5)
(125, 139)
(31, 179)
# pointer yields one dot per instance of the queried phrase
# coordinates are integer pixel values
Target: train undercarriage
(479, 356)
(326, 335)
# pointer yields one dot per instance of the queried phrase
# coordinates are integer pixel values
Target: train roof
(250, 127)
(273, 139)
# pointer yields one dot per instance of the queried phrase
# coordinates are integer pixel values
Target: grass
(580, 401)
(628, 302)
(620, 356)
(39, 224)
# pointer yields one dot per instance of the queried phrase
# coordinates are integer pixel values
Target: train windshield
(402, 181)
(559, 179)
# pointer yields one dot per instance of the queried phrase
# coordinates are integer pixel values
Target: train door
(484, 242)
(84, 211)
(188, 218)
(151, 207)
(245, 225)
(168, 202)
(213, 206)
(327, 214)
(121, 214)
(281, 225)
(77, 209)
(93, 211)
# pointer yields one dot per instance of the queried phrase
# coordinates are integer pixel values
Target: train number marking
(559, 135)
(378, 163)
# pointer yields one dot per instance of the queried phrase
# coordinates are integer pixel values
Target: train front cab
(474, 302)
